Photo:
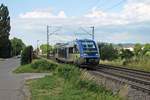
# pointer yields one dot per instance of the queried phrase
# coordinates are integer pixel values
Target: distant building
(129, 48)
(40, 52)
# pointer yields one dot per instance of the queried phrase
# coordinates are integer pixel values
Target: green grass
(139, 63)
(67, 82)
(37, 66)
(25, 69)
(56, 88)
(67, 87)
(114, 62)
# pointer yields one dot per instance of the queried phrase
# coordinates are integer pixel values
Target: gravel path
(12, 86)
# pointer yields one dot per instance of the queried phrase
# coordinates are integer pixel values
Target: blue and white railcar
(80, 52)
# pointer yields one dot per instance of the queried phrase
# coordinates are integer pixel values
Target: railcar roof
(85, 40)
(71, 44)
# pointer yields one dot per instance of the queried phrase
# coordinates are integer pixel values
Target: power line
(85, 30)
(50, 33)
(116, 5)
(95, 5)
(99, 6)
(92, 33)
(109, 8)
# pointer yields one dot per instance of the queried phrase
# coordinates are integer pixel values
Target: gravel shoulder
(12, 86)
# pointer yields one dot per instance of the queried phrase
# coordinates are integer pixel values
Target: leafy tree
(17, 46)
(43, 47)
(107, 51)
(5, 44)
(126, 54)
(27, 55)
(147, 53)
(146, 49)
(137, 49)
(120, 45)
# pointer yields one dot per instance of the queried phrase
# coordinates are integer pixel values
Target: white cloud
(61, 38)
(115, 37)
(131, 12)
(34, 22)
(42, 13)
(62, 14)
(138, 1)
(136, 12)
(94, 13)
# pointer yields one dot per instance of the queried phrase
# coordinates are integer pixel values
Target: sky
(115, 21)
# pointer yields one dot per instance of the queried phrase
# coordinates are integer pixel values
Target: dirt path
(12, 86)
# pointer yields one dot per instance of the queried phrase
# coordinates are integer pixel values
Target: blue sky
(71, 7)
(117, 21)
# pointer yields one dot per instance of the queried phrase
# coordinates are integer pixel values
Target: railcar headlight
(84, 54)
(97, 54)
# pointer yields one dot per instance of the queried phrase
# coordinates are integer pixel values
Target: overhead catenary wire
(118, 4)
(99, 4)
(115, 5)
(89, 33)
(48, 34)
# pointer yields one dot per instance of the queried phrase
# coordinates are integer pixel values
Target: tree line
(8, 47)
(109, 52)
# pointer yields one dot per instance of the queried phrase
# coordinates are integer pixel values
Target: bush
(26, 56)
(43, 65)
(92, 86)
(126, 54)
(68, 72)
(107, 51)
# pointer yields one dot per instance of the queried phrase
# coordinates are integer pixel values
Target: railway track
(137, 79)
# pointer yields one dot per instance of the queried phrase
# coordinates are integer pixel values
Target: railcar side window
(71, 50)
(76, 49)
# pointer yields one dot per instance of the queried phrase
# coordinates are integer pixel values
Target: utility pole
(37, 44)
(48, 34)
(93, 30)
(47, 41)
(91, 34)
(37, 47)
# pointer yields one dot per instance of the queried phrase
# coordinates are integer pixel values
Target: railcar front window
(88, 45)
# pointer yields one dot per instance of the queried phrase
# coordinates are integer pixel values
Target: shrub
(68, 72)
(107, 51)
(43, 65)
(92, 86)
(26, 56)
(126, 54)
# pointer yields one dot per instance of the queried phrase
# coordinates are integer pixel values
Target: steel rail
(136, 81)
(136, 73)
(126, 69)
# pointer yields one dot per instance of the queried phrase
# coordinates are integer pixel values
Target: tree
(126, 54)
(107, 51)
(146, 49)
(5, 44)
(120, 46)
(27, 55)
(17, 46)
(147, 53)
(43, 47)
(137, 49)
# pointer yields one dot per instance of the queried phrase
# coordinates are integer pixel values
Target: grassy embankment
(66, 83)
(139, 63)
(37, 66)
(1, 59)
